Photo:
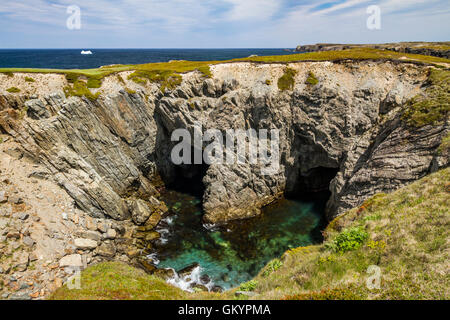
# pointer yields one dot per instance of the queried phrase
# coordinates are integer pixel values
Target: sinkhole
(235, 253)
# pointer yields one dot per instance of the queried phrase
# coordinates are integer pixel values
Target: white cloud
(340, 6)
(219, 23)
(252, 9)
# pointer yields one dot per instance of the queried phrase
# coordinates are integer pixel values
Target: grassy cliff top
(203, 66)
(404, 234)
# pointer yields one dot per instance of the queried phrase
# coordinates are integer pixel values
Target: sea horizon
(73, 59)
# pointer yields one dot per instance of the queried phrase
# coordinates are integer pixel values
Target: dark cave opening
(189, 179)
(314, 187)
(315, 180)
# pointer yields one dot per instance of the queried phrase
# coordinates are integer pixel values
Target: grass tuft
(130, 91)
(272, 266)
(80, 89)
(287, 80)
(432, 106)
(166, 78)
(312, 80)
(444, 148)
(94, 83)
(118, 281)
(249, 286)
(13, 90)
(348, 240)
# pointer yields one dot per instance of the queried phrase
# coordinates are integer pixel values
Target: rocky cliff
(436, 49)
(345, 131)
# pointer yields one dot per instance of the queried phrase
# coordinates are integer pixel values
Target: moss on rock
(287, 80)
(433, 104)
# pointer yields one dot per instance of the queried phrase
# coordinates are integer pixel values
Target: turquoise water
(235, 253)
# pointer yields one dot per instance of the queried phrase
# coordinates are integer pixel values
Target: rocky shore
(80, 177)
(436, 49)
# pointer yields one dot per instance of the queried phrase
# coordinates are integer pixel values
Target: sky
(218, 23)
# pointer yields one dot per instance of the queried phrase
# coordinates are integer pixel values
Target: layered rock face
(344, 134)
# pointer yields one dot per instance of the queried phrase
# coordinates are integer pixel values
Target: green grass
(167, 78)
(80, 89)
(120, 79)
(13, 90)
(433, 104)
(248, 286)
(94, 83)
(72, 77)
(444, 148)
(348, 240)
(118, 281)
(287, 80)
(129, 91)
(29, 79)
(272, 266)
(312, 80)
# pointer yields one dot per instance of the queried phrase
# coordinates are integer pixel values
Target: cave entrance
(315, 180)
(189, 179)
(314, 187)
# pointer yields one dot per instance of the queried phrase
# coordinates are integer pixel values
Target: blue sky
(217, 23)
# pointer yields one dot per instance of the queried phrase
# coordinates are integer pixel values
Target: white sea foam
(188, 281)
(169, 220)
(154, 258)
(164, 233)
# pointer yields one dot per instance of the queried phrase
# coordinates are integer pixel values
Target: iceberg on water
(86, 52)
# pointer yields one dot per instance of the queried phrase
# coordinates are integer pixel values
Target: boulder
(199, 287)
(73, 260)
(154, 220)
(28, 241)
(217, 289)
(205, 279)
(165, 273)
(92, 235)
(107, 250)
(140, 211)
(152, 236)
(187, 270)
(15, 199)
(147, 266)
(21, 260)
(85, 244)
(3, 197)
(110, 234)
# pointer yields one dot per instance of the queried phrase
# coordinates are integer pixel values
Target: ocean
(73, 59)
